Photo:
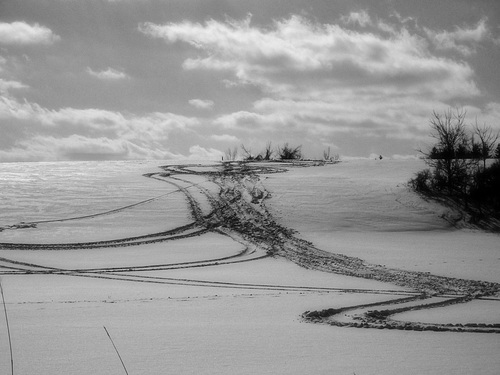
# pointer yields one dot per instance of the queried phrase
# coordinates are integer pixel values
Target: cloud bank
(358, 84)
(88, 133)
(296, 54)
(359, 76)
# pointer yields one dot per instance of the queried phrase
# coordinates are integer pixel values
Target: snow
(454, 253)
(237, 318)
(363, 208)
(234, 334)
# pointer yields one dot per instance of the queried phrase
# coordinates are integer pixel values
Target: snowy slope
(239, 317)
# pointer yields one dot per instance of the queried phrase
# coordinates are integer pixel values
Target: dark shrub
(422, 181)
(289, 153)
(486, 190)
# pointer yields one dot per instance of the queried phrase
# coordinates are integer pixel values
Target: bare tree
(326, 154)
(268, 151)
(487, 141)
(449, 157)
(455, 161)
(247, 153)
(231, 155)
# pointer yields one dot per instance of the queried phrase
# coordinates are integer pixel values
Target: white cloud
(361, 18)
(70, 133)
(297, 57)
(109, 74)
(202, 103)
(324, 79)
(251, 122)
(150, 126)
(23, 33)
(225, 138)
(462, 39)
(8, 85)
(403, 20)
(200, 153)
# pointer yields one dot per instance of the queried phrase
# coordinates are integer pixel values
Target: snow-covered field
(363, 208)
(214, 303)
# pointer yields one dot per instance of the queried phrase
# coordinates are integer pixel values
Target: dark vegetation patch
(464, 170)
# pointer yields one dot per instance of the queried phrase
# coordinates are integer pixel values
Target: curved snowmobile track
(237, 210)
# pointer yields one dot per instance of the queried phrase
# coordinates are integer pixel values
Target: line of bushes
(284, 152)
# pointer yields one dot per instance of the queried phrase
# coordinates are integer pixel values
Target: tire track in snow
(33, 224)
(239, 212)
(282, 242)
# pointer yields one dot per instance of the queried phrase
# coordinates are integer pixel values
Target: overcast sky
(162, 79)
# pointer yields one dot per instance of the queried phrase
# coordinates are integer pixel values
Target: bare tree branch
(487, 141)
